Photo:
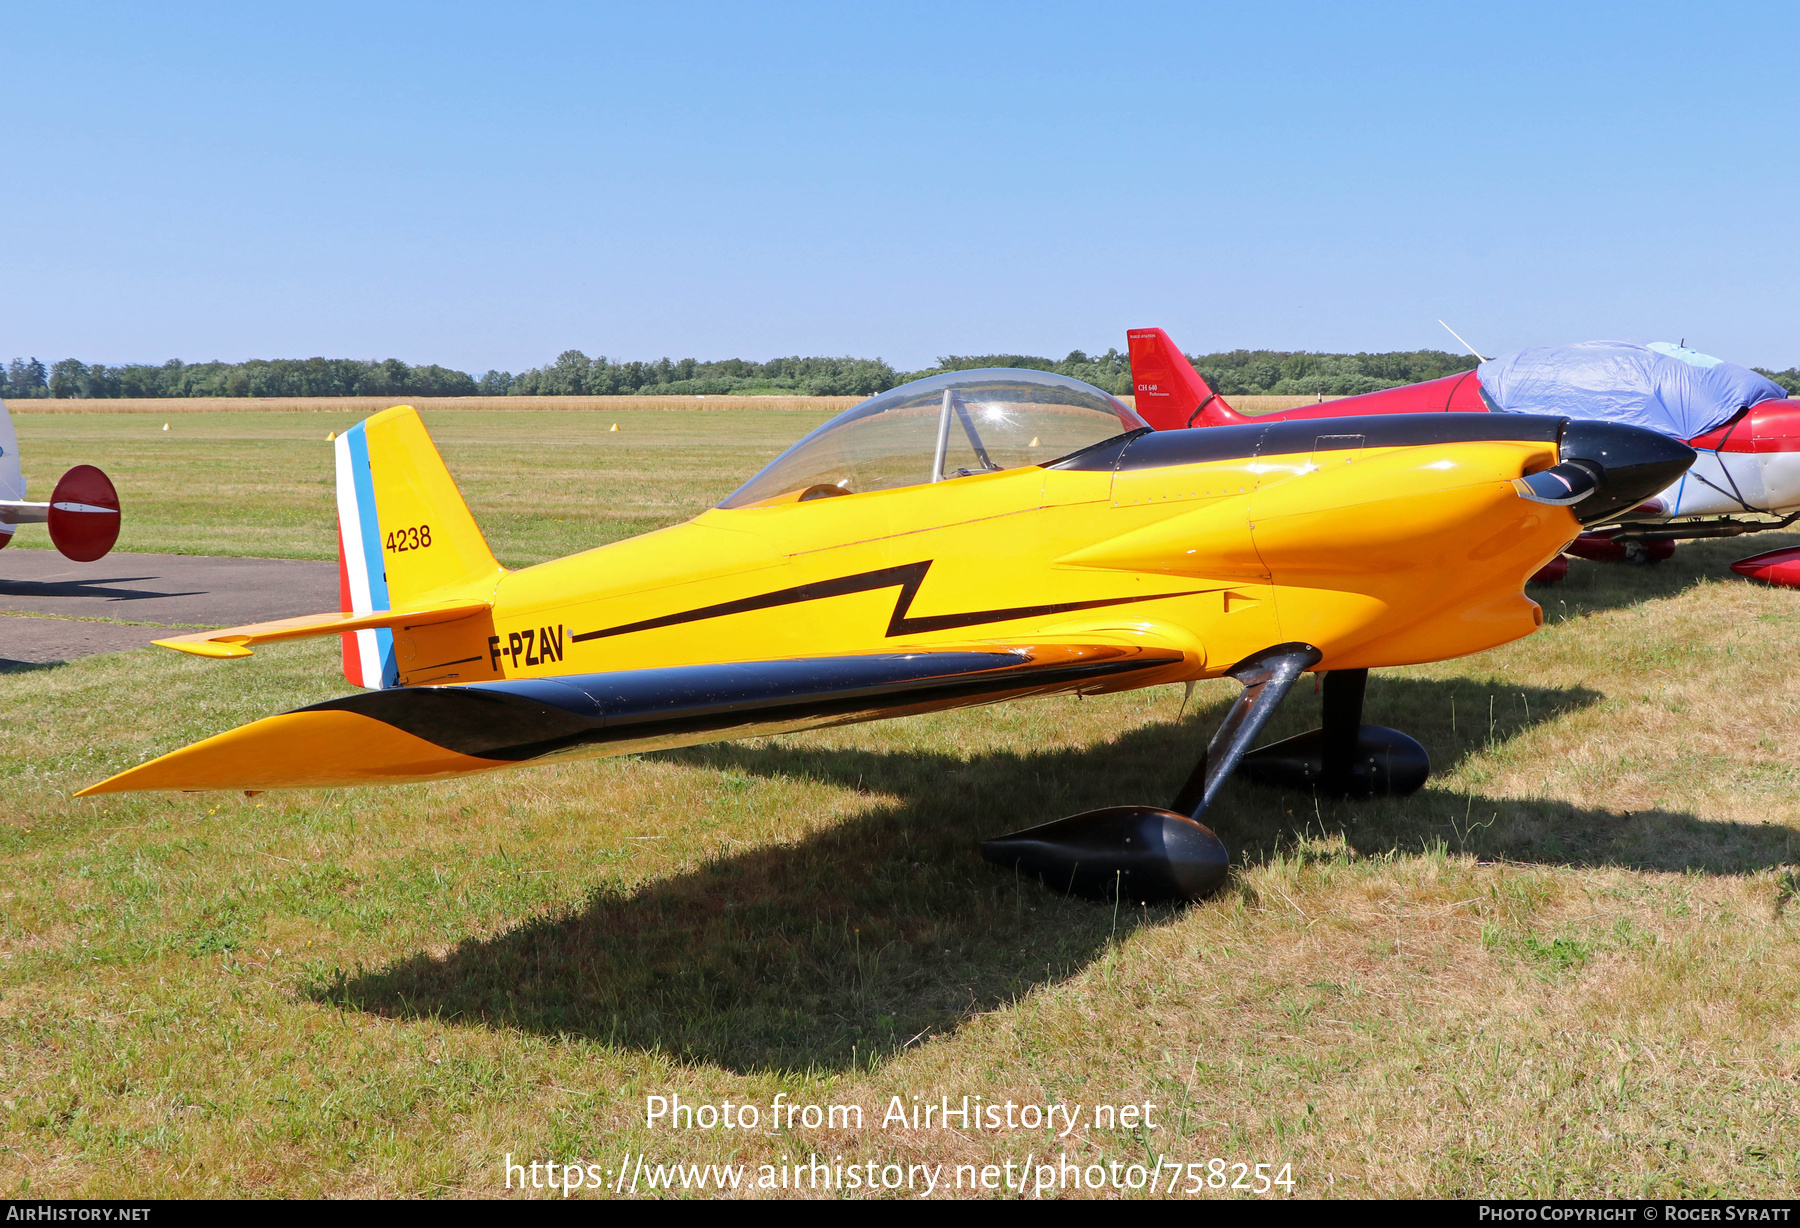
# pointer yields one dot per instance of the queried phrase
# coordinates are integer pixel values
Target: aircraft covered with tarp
(1658, 384)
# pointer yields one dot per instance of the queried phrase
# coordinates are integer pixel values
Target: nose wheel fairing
(1146, 853)
(1135, 853)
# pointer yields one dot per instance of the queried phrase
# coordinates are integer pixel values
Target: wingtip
(204, 647)
(307, 749)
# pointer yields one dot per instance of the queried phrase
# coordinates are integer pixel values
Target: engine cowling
(1769, 426)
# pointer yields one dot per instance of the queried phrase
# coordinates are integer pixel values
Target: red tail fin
(1170, 393)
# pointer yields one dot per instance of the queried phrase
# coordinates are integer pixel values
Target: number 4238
(415, 538)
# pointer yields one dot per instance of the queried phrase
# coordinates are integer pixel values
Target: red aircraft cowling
(84, 514)
(1767, 426)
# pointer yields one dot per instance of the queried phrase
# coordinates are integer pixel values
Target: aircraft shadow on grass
(839, 950)
(88, 588)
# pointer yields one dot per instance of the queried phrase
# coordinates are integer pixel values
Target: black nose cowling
(1630, 464)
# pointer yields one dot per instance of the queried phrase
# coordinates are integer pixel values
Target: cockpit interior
(949, 426)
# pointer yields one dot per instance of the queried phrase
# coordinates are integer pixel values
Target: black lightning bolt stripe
(908, 577)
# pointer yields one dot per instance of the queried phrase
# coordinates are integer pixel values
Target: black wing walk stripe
(908, 577)
(530, 717)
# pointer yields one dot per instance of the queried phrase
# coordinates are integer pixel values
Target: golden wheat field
(1570, 966)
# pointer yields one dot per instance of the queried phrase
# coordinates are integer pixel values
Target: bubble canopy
(939, 429)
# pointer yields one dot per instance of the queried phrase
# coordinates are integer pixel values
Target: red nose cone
(84, 514)
(1775, 567)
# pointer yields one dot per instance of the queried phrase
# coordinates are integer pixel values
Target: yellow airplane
(968, 538)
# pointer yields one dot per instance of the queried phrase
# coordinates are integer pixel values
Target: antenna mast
(1465, 344)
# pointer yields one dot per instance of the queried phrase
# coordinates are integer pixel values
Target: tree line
(575, 374)
(306, 377)
(1232, 372)
(1243, 372)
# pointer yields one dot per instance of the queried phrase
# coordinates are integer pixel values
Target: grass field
(166, 406)
(1567, 967)
(542, 484)
(258, 480)
(366, 405)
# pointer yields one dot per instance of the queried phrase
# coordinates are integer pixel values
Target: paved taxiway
(55, 610)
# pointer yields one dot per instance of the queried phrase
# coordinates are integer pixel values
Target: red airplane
(1747, 464)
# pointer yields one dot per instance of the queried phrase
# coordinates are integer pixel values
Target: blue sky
(486, 185)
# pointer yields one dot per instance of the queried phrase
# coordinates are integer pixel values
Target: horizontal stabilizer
(238, 641)
(13, 511)
(83, 512)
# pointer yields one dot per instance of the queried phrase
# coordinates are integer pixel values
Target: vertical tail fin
(404, 534)
(1170, 393)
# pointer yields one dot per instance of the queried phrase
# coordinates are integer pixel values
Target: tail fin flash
(405, 536)
(1170, 393)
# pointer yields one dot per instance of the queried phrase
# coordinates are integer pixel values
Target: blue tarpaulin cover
(1658, 385)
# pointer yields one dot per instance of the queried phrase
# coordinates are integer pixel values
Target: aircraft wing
(432, 733)
(238, 641)
(16, 511)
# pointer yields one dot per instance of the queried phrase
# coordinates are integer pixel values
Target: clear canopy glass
(939, 429)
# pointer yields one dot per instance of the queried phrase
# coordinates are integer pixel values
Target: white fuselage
(1727, 483)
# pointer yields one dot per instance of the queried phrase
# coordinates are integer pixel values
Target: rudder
(1170, 394)
(404, 534)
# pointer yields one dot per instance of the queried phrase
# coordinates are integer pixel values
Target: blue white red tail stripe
(371, 662)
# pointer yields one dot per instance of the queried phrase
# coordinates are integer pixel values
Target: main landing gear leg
(1144, 853)
(1344, 757)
